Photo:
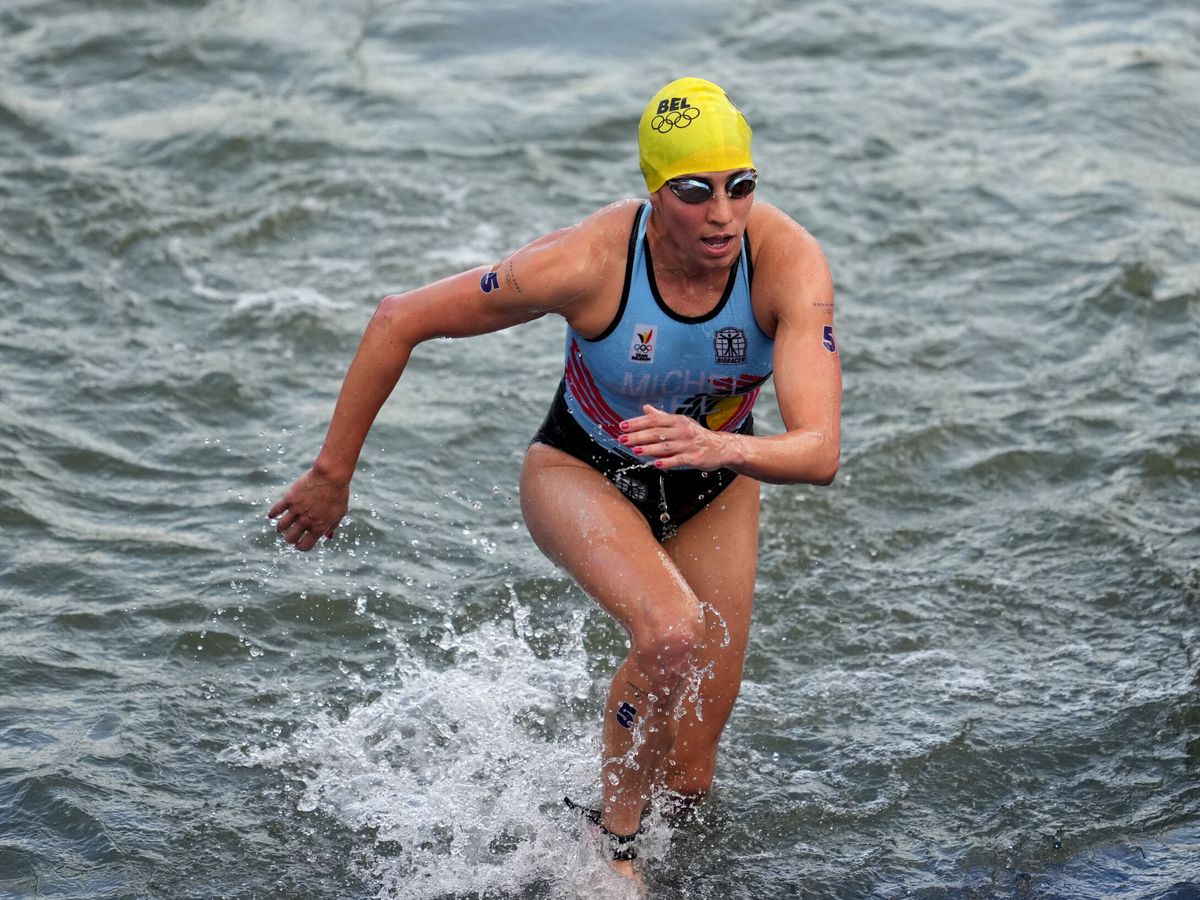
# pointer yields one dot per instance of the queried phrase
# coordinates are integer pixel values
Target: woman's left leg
(717, 554)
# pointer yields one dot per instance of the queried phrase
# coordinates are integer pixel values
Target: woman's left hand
(671, 441)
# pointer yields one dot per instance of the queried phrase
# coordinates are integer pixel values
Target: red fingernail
(624, 439)
(658, 464)
(637, 451)
(624, 426)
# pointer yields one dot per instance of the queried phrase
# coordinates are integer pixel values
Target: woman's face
(708, 233)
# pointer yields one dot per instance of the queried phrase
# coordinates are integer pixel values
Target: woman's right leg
(583, 523)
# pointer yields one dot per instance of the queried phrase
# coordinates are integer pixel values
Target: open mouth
(717, 242)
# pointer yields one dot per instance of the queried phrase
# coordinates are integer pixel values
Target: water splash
(454, 776)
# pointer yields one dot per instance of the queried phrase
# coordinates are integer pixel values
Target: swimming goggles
(697, 190)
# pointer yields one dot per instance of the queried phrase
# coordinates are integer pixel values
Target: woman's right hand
(312, 507)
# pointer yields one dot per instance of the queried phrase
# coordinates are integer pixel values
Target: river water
(974, 669)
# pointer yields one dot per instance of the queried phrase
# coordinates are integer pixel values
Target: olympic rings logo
(676, 118)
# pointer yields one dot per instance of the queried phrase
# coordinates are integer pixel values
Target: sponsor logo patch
(641, 345)
(634, 490)
(730, 345)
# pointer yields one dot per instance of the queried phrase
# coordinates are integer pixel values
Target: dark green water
(974, 670)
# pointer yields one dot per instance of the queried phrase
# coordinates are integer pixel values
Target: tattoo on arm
(827, 307)
(510, 278)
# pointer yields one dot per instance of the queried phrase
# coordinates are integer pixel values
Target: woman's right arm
(554, 273)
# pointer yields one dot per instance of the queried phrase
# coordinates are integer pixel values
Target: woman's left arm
(794, 288)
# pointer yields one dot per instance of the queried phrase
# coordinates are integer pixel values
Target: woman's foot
(629, 869)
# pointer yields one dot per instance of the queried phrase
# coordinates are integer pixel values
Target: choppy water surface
(974, 670)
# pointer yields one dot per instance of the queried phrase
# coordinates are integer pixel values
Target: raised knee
(667, 652)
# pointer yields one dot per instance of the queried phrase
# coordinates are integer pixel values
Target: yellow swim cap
(690, 126)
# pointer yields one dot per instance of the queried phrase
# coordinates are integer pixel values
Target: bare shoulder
(791, 273)
(594, 233)
(617, 215)
(604, 234)
(572, 266)
(778, 239)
